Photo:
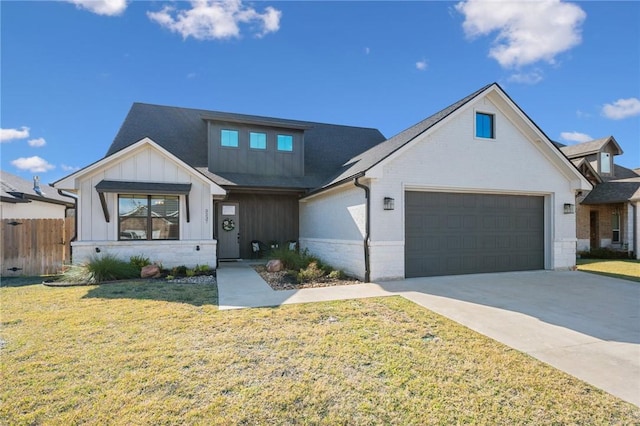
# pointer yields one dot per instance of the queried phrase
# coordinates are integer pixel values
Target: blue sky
(72, 69)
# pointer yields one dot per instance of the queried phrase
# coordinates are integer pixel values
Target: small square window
(257, 140)
(485, 125)
(229, 138)
(285, 143)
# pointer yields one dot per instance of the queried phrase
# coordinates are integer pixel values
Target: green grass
(161, 353)
(624, 268)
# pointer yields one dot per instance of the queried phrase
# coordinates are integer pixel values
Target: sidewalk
(583, 324)
(240, 286)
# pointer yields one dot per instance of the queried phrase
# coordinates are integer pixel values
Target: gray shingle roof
(614, 191)
(183, 132)
(587, 148)
(14, 189)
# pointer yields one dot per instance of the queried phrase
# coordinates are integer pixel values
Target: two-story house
(449, 195)
(608, 215)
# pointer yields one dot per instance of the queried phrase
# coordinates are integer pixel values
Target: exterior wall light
(569, 208)
(389, 203)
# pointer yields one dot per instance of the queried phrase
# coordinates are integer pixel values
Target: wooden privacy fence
(35, 246)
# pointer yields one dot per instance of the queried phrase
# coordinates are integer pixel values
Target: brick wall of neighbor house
(167, 253)
(583, 225)
(605, 232)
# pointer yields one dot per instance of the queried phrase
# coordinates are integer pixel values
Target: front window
(257, 140)
(285, 143)
(605, 162)
(148, 217)
(229, 138)
(485, 125)
(615, 227)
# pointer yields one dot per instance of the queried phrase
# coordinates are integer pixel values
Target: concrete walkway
(584, 324)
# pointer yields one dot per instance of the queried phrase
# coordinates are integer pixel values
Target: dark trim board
(466, 233)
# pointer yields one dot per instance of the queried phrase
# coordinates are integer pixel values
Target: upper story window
(485, 126)
(605, 162)
(148, 217)
(229, 138)
(285, 143)
(257, 140)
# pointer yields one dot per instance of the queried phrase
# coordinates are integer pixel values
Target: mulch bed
(285, 281)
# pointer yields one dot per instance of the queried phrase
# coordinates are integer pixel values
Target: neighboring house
(609, 215)
(476, 187)
(23, 199)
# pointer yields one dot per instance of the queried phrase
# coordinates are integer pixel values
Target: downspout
(75, 221)
(367, 269)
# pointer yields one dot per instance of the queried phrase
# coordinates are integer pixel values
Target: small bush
(336, 275)
(190, 272)
(110, 268)
(311, 273)
(202, 268)
(139, 261)
(179, 271)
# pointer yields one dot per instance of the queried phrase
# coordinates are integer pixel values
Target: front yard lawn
(161, 353)
(627, 269)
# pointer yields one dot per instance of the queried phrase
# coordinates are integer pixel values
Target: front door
(228, 231)
(594, 229)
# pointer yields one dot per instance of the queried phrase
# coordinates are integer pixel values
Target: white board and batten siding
(146, 164)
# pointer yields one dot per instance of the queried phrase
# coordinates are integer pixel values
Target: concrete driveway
(584, 324)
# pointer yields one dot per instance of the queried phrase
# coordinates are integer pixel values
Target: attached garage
(468, 233)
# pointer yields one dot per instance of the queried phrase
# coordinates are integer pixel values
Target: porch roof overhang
(140, 188)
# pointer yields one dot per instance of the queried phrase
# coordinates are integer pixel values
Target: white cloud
(67, 168)
(622, 108)
(575, 137)
(209, 19)
(37, 143)
(528, 31)
(532, 77)
(102, 7)
(7, 135)
(422, 65)
(33, 164)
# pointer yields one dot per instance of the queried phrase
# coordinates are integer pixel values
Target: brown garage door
(455, 233)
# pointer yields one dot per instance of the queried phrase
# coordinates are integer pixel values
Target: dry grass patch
(158, 353)
(622, 268)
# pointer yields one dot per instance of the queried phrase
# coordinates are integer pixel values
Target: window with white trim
(615, 227)
(485, 126)
(605, 162)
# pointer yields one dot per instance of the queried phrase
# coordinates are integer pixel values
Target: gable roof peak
(591, 147)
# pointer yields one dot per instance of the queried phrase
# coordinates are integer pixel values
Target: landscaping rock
(150, 271)
(274, 265)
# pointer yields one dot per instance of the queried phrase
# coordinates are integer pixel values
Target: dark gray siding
(452, 233)
(265, 218)
(243, 159)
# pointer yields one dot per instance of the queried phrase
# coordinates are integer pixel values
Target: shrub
(336, 275)
(202, 268)
(139, 261)
(179, 271)
(310, 273)
(109, 268)
(190, 272)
